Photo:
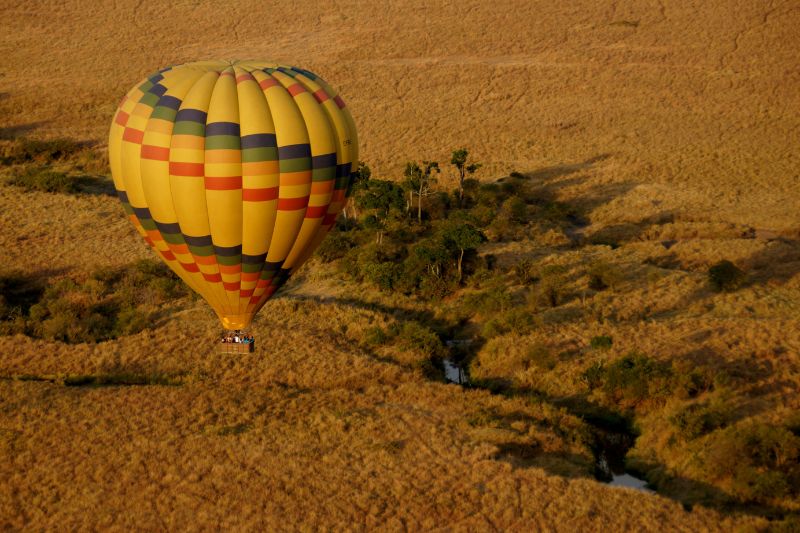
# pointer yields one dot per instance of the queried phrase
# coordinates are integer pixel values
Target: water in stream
(612, 446)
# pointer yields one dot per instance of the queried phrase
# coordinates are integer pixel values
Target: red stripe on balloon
(296, 89)
(321, 96)
(227, 183)
(133, 135)
(260, 195)
(292, 204)
(316, 211)
(214, 278)
(157, 153)
(122, 118)
(267, 83)
(186, 169)
(190, 267)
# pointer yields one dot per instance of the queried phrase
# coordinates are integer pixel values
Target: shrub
(490, 301)
(415, 336)
(517, 320)
(550, 290)
(111, 303)
(38, 179)
(383, 275)
(540, 357)
(631, 381)
(335, 246)
(524, 271)
(603, 276)
(18, 293)
(601, 342)
(697, 420)
(757, 461)
(31, 150)
(375, 336)
(725, 276)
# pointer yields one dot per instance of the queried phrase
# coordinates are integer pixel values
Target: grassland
(651, 140)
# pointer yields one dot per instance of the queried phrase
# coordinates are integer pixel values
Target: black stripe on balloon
(157, 89)
(272, 266)
(228, 251)
(172, 228)
(254, 259)
(205, 240)
(169, 102)
(323, 161)
(191, 115)
(259, 140)
(142, 212)
(222, 128)
(123, 196)
(294, 151)
(343, 170)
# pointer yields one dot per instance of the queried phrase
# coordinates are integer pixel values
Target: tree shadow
(9, 133)
(777, 263)
(96, 185)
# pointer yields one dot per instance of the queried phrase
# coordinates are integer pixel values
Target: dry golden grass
(693, 103)
(661, 123)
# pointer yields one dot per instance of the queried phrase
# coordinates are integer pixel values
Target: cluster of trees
(411, 235)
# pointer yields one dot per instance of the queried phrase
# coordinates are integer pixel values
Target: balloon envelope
(233, 172)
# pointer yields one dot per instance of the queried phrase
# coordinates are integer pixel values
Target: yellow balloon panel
(233, 172)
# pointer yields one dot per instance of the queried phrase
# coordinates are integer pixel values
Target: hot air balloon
(233, 172)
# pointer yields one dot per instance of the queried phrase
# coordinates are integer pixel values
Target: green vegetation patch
(112, 302)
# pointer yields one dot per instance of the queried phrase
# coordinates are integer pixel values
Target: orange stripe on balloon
(319, 187)
(230, 269)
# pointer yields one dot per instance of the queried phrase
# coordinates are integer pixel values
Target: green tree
(459, 160)
(382, 198)
(418, 180)
(462, 237)
(358, 180)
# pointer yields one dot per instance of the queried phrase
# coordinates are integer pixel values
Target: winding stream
(610, 449)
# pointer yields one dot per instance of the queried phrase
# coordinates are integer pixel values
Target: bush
(552, 283)
(631, 381)
(375, 336)
(37, 179)
(603, 276)
(111, 303)
(601, 342)
(758, 462)
(539, 356)
(335, 245)
(31, 150)
(517, 320)
(415, 336)
(524, 271)
(697, 420)
(725, 276)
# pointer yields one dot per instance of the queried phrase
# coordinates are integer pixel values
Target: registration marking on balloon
(233, 172)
